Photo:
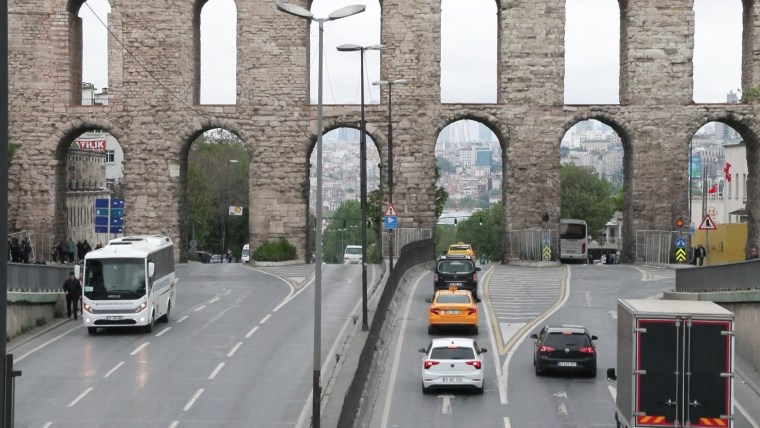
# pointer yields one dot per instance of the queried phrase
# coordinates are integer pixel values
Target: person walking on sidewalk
(73, 290)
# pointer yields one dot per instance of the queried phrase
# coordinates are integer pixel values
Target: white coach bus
(573, 240)
(130, 282)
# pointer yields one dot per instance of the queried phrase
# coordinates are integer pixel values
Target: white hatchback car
(452, 363)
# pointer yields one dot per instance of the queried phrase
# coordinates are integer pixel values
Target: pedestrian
(753, 254)
(73, 290)
(54, 253)
(86, 248)
(699, 254)
(63, 251)
(71, 250)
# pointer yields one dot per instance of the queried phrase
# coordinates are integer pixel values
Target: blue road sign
(115, 212)
(680, 242)
(103, 221)
(390, 222)
(103, 203)
(547, 240)
(104, 229)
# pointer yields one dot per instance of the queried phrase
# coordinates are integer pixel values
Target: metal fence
(531, 244)
(403, 236)
(41, 244)
(657, 247)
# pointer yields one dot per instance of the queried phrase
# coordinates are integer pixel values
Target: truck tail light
(545, 348)
(435, 311)
(474, 363)
(472, 311)
(587, 350)
(430, 363)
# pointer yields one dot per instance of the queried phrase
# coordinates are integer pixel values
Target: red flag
(726, 169)
(713, 189)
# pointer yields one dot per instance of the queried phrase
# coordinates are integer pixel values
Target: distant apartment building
(91, 96)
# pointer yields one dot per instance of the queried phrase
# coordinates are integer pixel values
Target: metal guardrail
(404, 236)
(657, 247)
(33, 277)
(738, 276)
(529, 244)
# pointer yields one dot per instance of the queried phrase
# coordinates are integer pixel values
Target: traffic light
(545, 217)
(481, 221)
(455, 221)
(679, 222)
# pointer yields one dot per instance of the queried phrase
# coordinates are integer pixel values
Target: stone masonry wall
(153, 112)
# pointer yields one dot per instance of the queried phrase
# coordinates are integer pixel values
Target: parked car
(452, 363)
(564, 348)
(216, 258)
(453, 308)
(456, 271)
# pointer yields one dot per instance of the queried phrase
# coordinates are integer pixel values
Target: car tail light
(472, 311)
(435, 278)
(435, 311)
(587, 350)
(474, 363)
(545, 348)
(475, 277)
(430, 363)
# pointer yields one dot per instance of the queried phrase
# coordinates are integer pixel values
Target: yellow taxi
(453, 308)
(461, 249)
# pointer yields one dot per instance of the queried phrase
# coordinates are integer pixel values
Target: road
(518, 301)
(237, 352)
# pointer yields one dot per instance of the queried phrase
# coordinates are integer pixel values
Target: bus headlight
(141, 307)
(87, 308)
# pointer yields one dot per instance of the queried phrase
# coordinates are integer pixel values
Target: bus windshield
(572, 231)
(114, 279)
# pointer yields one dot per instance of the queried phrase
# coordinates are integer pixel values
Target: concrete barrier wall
(746, 331)
(375, 348)
(731, 276)
(37, 277)
(26, 311)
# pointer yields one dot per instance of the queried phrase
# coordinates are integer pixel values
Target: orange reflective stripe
(705, 421)
(644, 419)
(720, 422)
(659, 419)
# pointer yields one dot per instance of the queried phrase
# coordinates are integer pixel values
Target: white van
(245, 256)
(353, 254)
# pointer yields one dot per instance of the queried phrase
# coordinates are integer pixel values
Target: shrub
(275, 251)
(373, 254)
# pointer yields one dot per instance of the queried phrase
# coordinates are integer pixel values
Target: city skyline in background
(467, 74)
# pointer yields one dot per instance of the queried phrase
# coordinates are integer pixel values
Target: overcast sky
(468, 52)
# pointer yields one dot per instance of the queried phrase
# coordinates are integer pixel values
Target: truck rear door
(708, 373)
(657, 375)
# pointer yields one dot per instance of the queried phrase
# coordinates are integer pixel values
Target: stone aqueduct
(156, 123)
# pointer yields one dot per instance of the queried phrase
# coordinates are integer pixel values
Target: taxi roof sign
(708, 223)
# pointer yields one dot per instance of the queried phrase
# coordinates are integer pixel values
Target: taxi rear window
(452, 353)
(453, 298)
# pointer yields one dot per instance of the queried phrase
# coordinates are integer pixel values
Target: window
(452, 353)
(110, 156)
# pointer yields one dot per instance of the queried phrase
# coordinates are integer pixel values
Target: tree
(441, 195)
(445, 166)
(483, 231)
(585, 196)
(345, 229)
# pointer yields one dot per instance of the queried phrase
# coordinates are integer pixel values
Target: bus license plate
(115, 318)
(452, 379)
(566, 364)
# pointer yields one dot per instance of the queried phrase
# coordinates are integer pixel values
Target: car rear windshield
(455, 266)
(453, 298)
(574, 340)
(452, 353)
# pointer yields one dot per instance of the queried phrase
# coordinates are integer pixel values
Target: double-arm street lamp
(226, 207)
(390, 84)
(303, 13)
(363, 173)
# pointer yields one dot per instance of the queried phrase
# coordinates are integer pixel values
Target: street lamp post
(303, 13)
(226, 207)
(390, 84)
(363, 174)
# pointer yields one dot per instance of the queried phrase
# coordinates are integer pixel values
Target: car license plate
(451, 312)
(113, 318)
(452, 379)
(455, 284)
(566, 364)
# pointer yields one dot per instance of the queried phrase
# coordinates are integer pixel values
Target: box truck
(675, 364)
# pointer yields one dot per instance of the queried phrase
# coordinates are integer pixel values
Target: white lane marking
(200, 308)
(507, 424)
(182, 319)
(613, 392)
(588, 299)
(226, 293)
(110, 372)
(174, 424)
(561, 394)
(535, 322)
(613, 313)
(562, 409)
(263, 320)
(81, 396)
(397, 354)
(160, 333)
(746, 415)
(192, 400)
(233, 350)
(16, 360)
(446, 406)
(47, 425)
(214, 300)
(250, 333)
(139, 348)
(501, 380)
(216, 371)
(291, 295)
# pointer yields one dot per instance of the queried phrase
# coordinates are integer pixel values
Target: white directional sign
(708, 223)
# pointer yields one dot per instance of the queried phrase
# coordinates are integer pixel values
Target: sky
(468, 75)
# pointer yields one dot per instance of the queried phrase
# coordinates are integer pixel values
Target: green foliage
(617, 200)
(586, 196)
(275, 251)
(213, 184)
(445, 165)
(12, 147)
(751, 95)
(345, 229)
(441, 195)
(483, 231)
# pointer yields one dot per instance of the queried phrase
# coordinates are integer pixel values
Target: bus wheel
(92, 330)
(149, 326)
(165, 318)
